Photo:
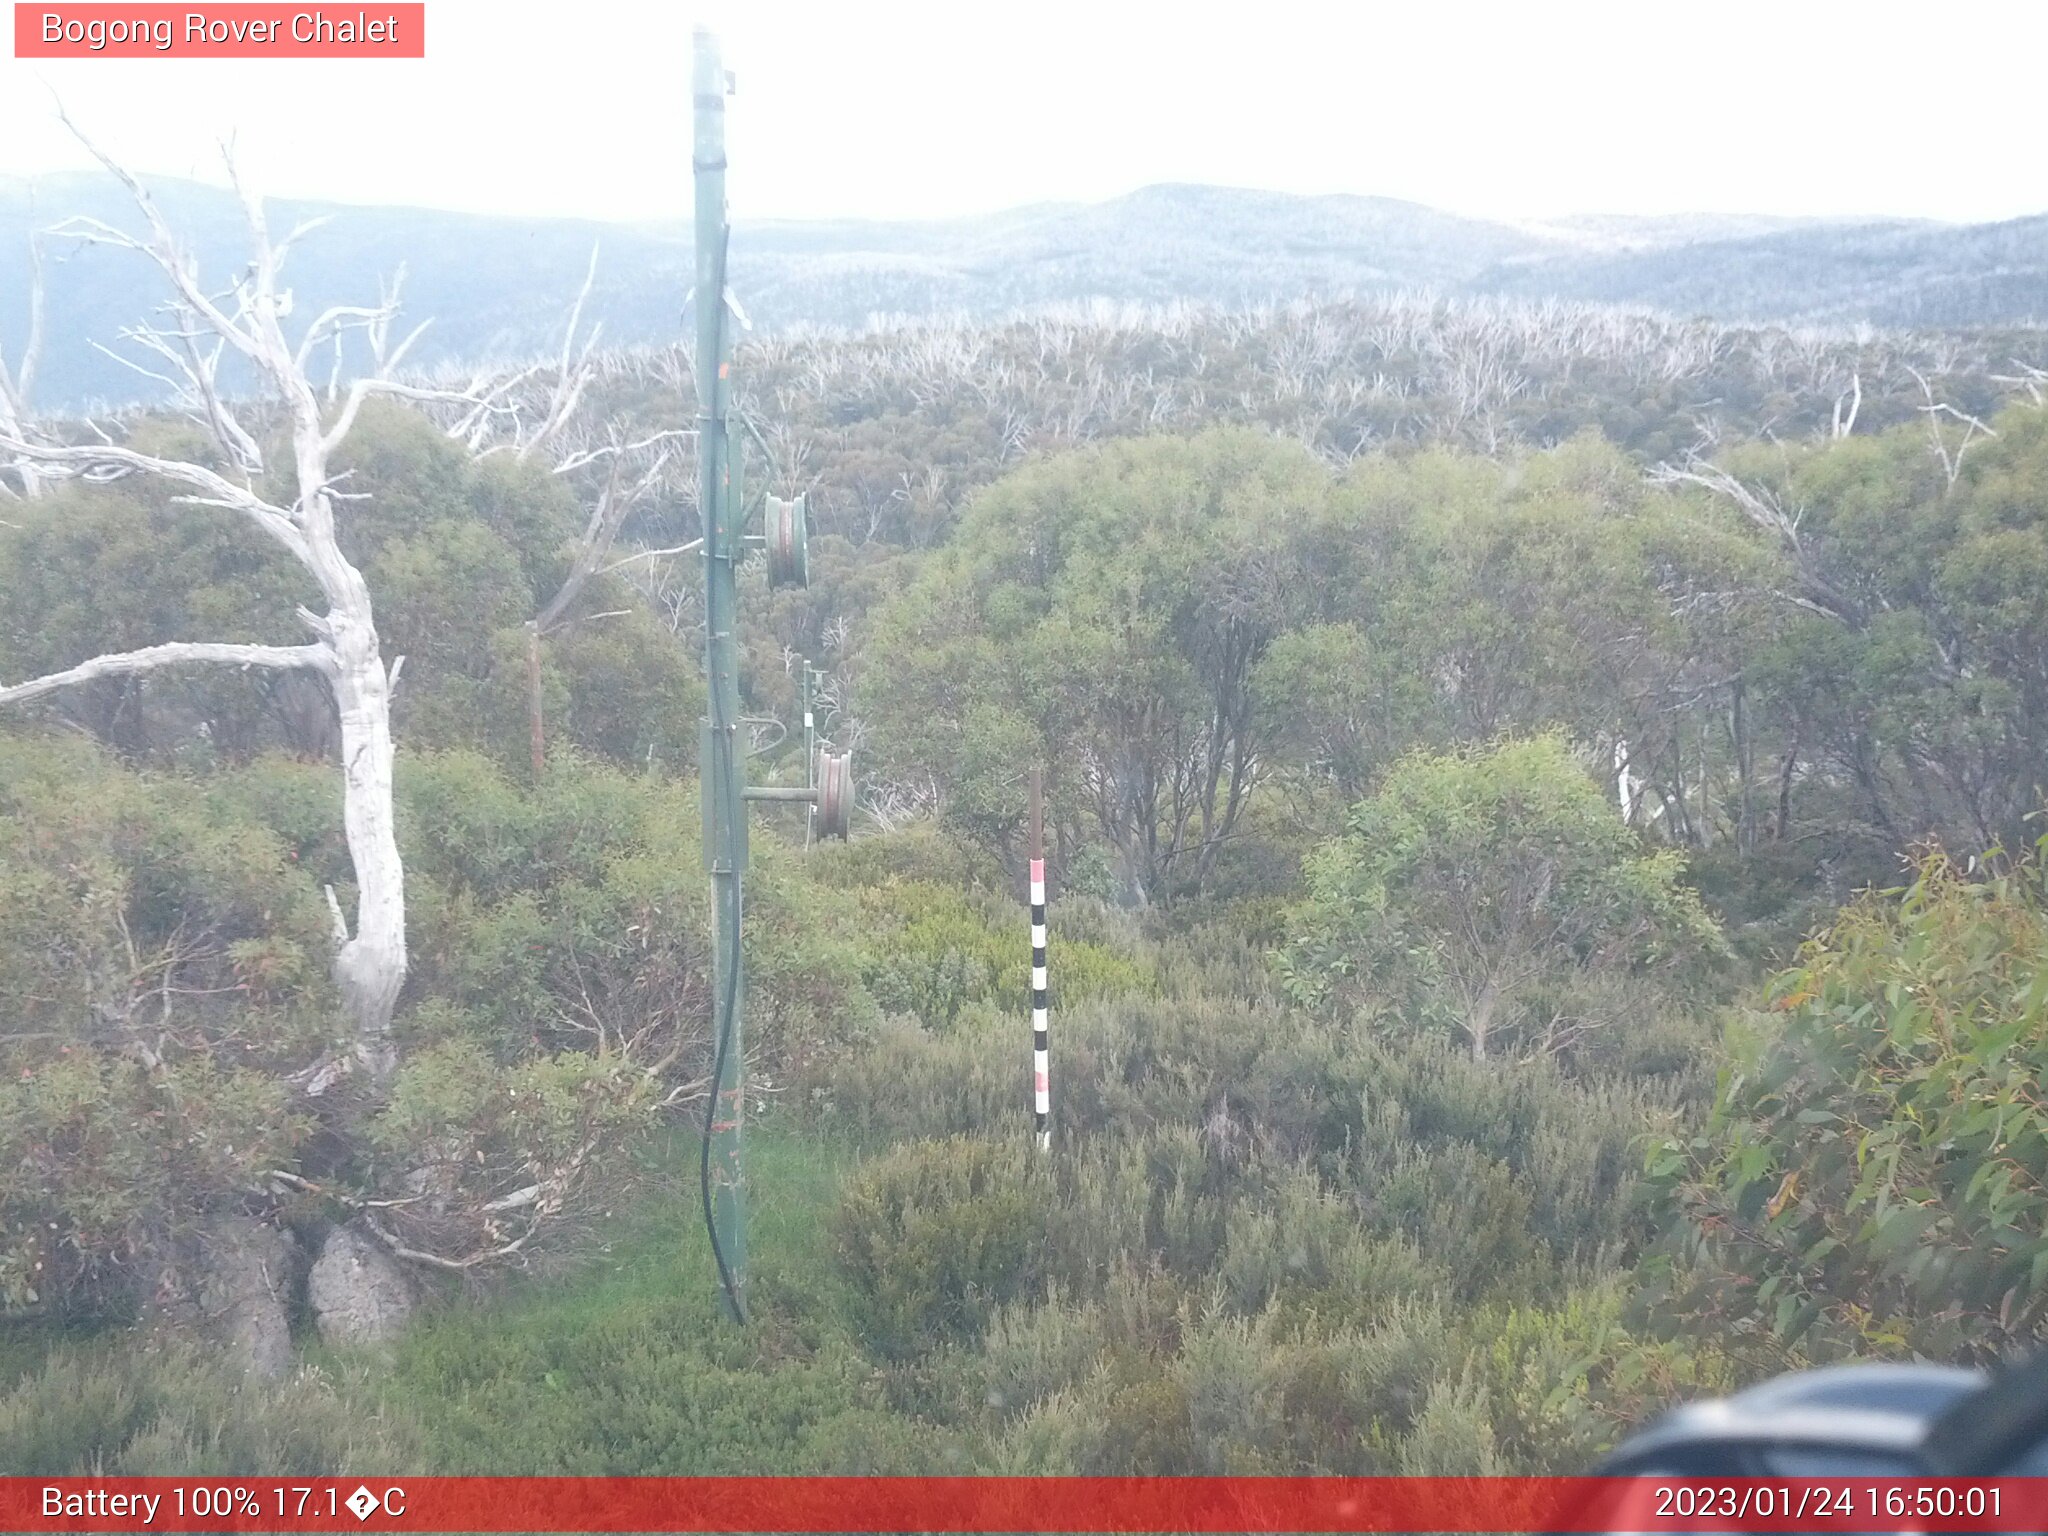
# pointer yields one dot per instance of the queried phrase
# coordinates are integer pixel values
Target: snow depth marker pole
(1041, 1050)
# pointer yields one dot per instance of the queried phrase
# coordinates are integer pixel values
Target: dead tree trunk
(369, 964)
(614, 503)
(17, 380)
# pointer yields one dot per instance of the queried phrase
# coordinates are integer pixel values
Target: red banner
(1021, 1504)
(233, 31)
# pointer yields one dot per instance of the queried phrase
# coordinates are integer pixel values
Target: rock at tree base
(358, 1292)
(231, 1281)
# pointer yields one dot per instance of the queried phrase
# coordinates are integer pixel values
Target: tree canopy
(1496, 896)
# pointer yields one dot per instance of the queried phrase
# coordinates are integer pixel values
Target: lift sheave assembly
(828, 787)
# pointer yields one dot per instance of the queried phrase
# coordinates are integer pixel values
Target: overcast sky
(899, 109)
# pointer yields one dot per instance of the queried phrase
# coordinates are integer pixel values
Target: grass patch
(628, 1366)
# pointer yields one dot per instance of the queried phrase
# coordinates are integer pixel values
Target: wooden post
(810, 753)
(533, 701)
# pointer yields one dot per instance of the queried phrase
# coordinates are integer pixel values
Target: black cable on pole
(721, 742)
(721, 738)
(732, 1295)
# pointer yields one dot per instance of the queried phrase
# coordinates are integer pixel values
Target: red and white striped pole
(1041, 1048)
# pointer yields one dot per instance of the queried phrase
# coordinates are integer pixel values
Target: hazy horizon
(1581, 216)
(919, 111)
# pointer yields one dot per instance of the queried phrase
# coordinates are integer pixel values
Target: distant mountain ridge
(497, 287)
(1890, 272)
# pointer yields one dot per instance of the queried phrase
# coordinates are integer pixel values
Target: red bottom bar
(1021, 1504)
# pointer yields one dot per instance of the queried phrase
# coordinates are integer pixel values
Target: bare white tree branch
(173, 653)
(573, 374)
(653, 554)
(1934, 410)
(614, 503)
(108, 461)
(17, 382)
(1767, 512)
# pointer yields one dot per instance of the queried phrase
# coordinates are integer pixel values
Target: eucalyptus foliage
(1871, 1177)
(1494, 895)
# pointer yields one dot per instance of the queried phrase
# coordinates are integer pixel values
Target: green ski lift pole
(720, 757)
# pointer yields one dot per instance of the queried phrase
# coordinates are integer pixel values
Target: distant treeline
(494, 285)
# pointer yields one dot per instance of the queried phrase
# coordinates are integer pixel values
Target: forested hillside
(1894, 273)
(1546, 916)
(493, 285)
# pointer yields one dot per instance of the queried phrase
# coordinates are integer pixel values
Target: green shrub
(933, 950)
(1305, 1247)
(643, 1393)
(1032, 1350)
(1226, 1372)
(905, 1083)
(1153, 1198)
(573, 916)
(163, 964)
(935, 1235)
(1453, 1435)
(1569, 1144)
(1126, 1064)
(868, 1442)
(1060, 1436)
(1491, 896)
(1870, 1180)
(1146, 1429)
(919, 853)
(153, 1411)
(1181, 1121)
(62, 1419)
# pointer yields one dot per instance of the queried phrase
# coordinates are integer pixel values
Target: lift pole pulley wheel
(835, 793)
(788, 538)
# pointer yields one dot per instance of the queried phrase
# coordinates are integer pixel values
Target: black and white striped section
(1041, 1052)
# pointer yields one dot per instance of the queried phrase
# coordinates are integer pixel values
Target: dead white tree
(572, 375)
(1951, 458)
(622, 491)
(245, 320)
(1767, 512)
(1852, 399)
(18, 379)
(541, 418)
(2029, 378)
